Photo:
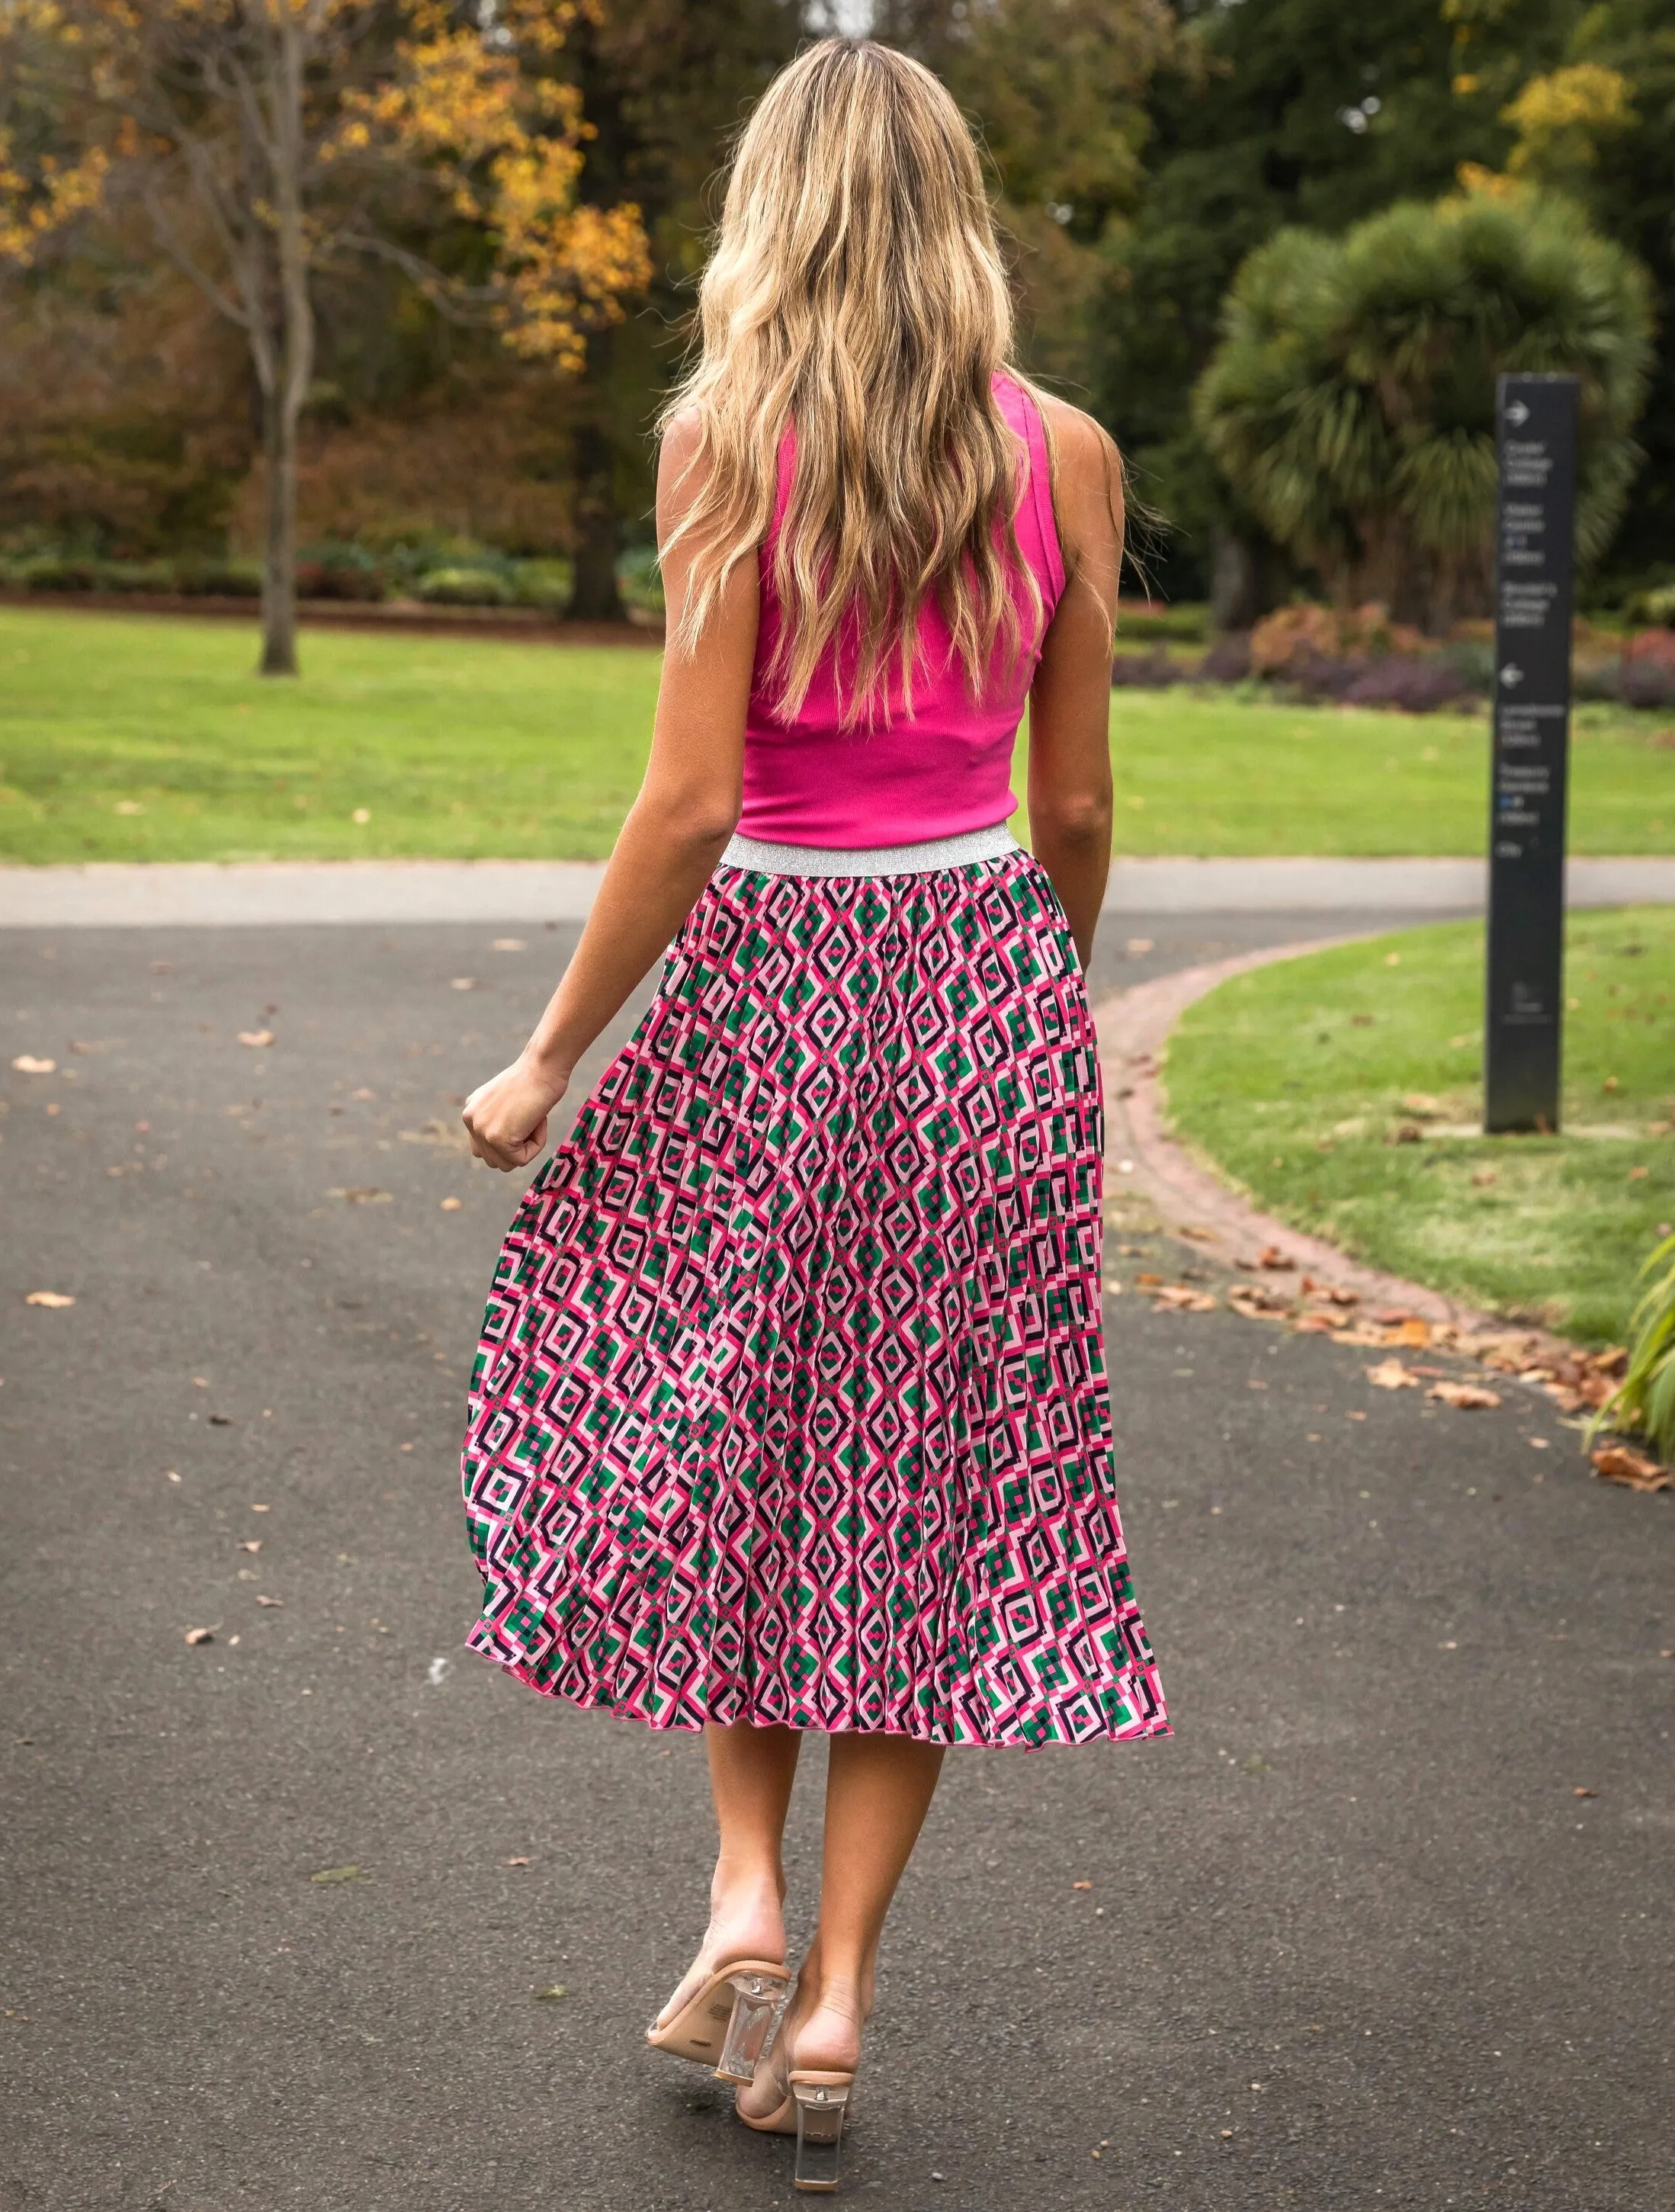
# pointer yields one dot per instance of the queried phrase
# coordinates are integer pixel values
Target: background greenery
(126, 738)
(1139, 151)
(1296, 1079)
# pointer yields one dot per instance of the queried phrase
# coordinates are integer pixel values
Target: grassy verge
(1297, 1079)
(125, 739)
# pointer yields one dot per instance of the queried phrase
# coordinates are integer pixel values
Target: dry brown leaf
(1177, 1298)
(1082, 1885)
(270, 1600)
(256, 1038)
(250, 1544)
(1147, 1282)
(1253, 1300)
(27, 1064)
(1391, 1375)
(1421, 1104)
(200, 1636)
(1411, 1330)
(1464, 1395)
(55, 1299)
(1316, 1324)
(1584, 1793)
(453, 1204)
(1635, 1470)
(1271, 1256)
(517, 1861)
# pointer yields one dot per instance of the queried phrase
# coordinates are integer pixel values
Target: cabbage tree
(1351, 403)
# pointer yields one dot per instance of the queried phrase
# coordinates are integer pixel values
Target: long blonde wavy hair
(856, 290)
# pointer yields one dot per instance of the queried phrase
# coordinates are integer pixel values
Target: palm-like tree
(1351, 401)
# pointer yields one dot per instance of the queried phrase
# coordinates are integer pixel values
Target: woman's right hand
(507, 1117)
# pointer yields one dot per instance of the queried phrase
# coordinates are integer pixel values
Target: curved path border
(1141, 1158)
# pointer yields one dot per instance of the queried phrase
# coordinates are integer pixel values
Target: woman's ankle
(829, 2017)
(747, 1911)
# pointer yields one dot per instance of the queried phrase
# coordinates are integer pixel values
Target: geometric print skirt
(791, 1402)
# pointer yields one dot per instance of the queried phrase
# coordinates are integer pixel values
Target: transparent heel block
(821, 2107)
(758, 2001)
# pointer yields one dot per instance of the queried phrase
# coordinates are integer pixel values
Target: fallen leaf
(1633, 1469)
(1082, 1885)
(1391, 1375)
(1317, 1324)
(464, 983)
(341, 1874)
(1584, 1793)
(1147, 1282)
(517, 1861)
(270, 1600)
(1421, 1103)
(1405, 1133)
(250, 1544)
(1482, 1178)
(53, 1298)
(256, 1038)
(26, 1064)
(1176, 1297)
(200, 1636)
(1271, 1256)
(452, 1205)
(1463, 1394)
(1412, 1331)
(1636, 1175)
(261, 1508)
(543, 1995)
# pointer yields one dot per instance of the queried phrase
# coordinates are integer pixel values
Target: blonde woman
(790, 1412)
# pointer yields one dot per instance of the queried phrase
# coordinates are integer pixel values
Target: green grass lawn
(1293, 1080)
(128, 739)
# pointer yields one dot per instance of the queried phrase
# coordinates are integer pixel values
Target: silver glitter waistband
(763, 857)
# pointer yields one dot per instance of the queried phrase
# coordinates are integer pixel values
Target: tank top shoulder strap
(1036, 525)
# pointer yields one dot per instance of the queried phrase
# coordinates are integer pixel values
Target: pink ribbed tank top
(947, 769)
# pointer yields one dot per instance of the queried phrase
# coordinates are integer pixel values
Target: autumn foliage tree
(263, 143)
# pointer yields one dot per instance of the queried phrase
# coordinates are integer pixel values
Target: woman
(790, 1412)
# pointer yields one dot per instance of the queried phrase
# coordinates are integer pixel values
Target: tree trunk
(291, 358)
(1244, 580)
(594, 596)
(279, 544)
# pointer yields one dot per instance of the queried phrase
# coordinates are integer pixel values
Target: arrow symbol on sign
(1517, 413)
(1512, 675)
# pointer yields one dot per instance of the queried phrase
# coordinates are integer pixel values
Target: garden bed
(1342, 1091)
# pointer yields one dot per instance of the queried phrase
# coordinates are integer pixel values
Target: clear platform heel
(759, 2002)
(823, 2102)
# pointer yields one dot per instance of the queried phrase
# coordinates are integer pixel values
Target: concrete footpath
(208, 894)
(323, 1913)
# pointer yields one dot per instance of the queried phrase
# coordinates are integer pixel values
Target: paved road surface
(1352, 1940)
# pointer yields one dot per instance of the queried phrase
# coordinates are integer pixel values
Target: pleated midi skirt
(791, 1402)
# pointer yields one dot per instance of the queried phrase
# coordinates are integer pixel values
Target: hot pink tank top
(947, 769)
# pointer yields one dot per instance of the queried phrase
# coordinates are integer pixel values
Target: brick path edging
(1143, 1156)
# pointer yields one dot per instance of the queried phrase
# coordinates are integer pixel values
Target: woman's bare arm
(1070, 703)
(676, 830)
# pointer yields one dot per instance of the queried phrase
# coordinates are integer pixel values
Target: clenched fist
(507, 1117)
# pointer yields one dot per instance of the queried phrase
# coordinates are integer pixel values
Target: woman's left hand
(507, 1117)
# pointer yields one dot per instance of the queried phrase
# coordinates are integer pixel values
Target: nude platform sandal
(728, 2022)
(816, 2106)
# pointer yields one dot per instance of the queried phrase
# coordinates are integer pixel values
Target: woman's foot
(746, 1921)
(821, 2033)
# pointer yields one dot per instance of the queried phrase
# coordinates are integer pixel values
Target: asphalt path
(278, 1907)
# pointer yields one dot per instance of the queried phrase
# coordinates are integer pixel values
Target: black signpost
(1535, 549)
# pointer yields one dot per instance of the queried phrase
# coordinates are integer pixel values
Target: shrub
(1417, 684)
(639, 579)
(1653, 606)
(53, 572)
(219, 579)
(546, 584)
(338, 569)
(1305, 630)
(465, 588)
(1228, 660)
(1145, 671)
(1644, 1398)
(1188, 624)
